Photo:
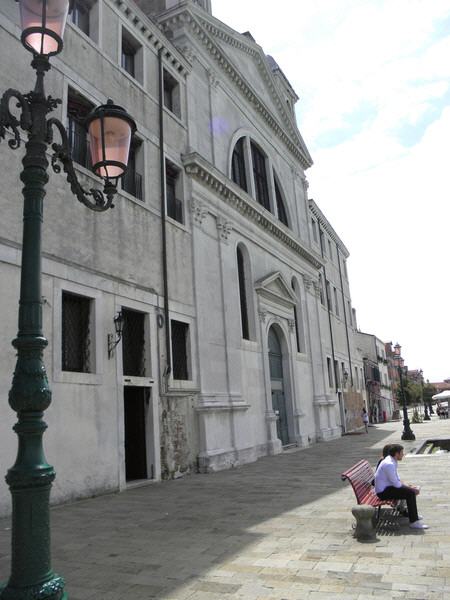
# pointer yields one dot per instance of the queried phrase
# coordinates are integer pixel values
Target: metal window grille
(179, 336)
(133, 343)
(174, 204)
(260, 176)
(80, 15)
(76, 338)
(77, 110)
(238, 165)
(243, 295)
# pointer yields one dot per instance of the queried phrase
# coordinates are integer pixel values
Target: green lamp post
(110, 129)
(407, 433)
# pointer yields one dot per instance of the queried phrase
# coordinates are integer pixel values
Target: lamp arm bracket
(9, 121)
(102, 200)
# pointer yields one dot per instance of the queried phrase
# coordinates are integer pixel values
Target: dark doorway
(135, 401)
(277, 386)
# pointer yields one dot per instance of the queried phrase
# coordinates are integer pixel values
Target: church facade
(230, 283)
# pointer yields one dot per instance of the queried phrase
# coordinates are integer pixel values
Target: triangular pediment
(274, 287)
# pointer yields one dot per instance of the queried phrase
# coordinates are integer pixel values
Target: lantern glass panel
(49, 17)
(117, 138)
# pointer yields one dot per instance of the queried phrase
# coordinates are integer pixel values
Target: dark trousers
(402, 493)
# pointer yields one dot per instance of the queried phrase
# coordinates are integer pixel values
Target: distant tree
(413, 392)
(428, 392)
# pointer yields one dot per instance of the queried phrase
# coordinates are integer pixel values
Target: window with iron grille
(132, 181)
(282, 214)
(77, 110)
(238, 172)
(76, 333)
(180, 356)
(174, 204)
(80, 15)
(260, 176)
(133, 343)
(243, 294)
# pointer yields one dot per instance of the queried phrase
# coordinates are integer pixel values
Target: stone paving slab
(278, 529)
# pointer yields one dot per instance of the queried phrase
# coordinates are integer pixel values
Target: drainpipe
(328, 308)
(168, 367)
(345, 316)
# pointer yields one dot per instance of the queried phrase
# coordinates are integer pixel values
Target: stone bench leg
(365, 518)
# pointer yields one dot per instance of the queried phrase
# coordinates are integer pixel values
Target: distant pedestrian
(365, 418)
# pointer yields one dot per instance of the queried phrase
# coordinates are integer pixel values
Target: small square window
(174, 205)
(131, 58)
(172, 94)
(180, 351)
(76, 333)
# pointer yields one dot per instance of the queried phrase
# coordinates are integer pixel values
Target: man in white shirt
(389, 487)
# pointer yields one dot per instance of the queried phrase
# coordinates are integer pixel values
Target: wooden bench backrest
(361, 477)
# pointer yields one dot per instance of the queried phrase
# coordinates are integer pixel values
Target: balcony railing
(132, 184)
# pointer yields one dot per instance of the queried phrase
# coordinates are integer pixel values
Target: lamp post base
(50, 590)
(408, 435)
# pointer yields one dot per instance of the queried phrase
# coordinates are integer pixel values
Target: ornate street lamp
(426, 416)
(110, 129)
(398, 362)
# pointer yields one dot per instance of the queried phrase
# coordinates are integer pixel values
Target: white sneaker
(418, 525)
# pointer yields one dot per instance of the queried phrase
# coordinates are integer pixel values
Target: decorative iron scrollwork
(61, 154)
(9, 121)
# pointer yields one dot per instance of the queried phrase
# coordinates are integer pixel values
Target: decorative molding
(316, 285)
(262, 315)
(214, 80)
(145, 27)
(224, 228)
(189, 53)
(199, 211)
(181, 16)
(201, 170)
(291, 323)
(308, 282)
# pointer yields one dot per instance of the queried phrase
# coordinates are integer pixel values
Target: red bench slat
(361, 476)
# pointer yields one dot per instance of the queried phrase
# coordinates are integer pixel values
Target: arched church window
(243, 275)
(238, 172)
(260, 176)
(282, 213)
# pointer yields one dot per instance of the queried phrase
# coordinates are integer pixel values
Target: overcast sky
(373, 78)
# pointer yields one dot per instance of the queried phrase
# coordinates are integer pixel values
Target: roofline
(327, 226)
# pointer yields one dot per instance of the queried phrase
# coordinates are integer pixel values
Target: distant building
(379, 388)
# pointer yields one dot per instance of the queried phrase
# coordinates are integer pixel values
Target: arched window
(260, 176)
(298, 317)
(238, 172)
(282, 213)
(242, 275)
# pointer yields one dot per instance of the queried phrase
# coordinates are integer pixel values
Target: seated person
(389, 487)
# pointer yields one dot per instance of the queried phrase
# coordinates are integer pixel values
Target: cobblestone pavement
(278, 529)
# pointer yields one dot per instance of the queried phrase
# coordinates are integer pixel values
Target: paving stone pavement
(278, 529)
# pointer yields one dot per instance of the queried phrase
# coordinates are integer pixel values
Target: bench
(361, 478)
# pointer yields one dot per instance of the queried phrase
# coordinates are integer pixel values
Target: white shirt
(386, 475)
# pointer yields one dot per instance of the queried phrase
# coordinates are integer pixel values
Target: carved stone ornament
(262, 315)
(308, 282)
(291, 323)
(188, 53)
(224, 228)
(199, 211)
(305, 184)
(213, 79)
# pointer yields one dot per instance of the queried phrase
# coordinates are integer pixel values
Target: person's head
(386, 450)
(396, 451)
(364, 410)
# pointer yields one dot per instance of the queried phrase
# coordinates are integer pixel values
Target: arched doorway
(277, 385)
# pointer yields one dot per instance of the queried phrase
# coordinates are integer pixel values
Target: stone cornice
(327, 226)
(184, 16)
(145, 27)
(200, 169)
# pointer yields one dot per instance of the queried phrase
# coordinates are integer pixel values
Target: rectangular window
(350, 316)
(356, 378)
(322, 295)
(174, 205)
(132, 181)
(77, 110)
(80, 15)
(260, 177)
(336, 302)
(329, 301)
(131, 58)
(330, 249)
(337, 377)
(180, 340)
(330, 372)
(76, 333)
(171, 94)
(314, 230)
(133, 343)
(322, 242)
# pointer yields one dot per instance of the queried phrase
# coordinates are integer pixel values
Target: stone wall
(354, 403)
(178, 436)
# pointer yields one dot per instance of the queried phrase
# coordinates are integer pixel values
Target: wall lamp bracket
(114, 339)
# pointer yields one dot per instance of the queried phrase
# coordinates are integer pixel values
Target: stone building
(214, 258)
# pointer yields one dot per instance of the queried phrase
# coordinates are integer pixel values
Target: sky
(373, 77)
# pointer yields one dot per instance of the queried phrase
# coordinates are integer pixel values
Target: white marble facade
(247, 389)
